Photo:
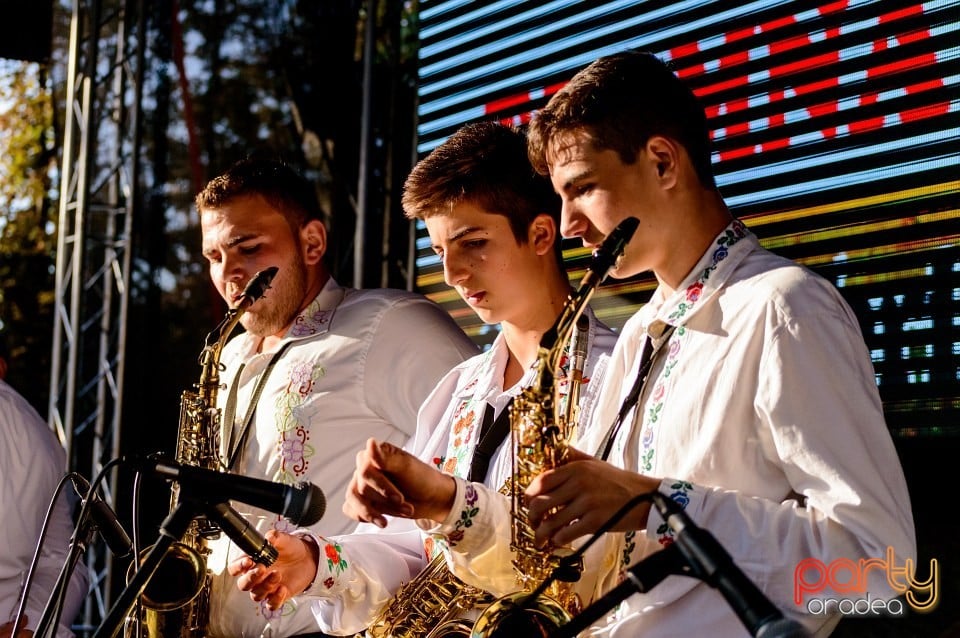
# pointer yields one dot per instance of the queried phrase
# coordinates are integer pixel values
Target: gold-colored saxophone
(175, 602)
(540, 433)
(430, 605)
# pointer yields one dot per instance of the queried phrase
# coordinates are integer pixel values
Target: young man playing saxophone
(319, 370)
(493, 222)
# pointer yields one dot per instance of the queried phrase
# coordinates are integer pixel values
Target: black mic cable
(54, 607)
(28, 581)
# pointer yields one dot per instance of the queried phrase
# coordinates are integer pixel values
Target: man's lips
(474, 296)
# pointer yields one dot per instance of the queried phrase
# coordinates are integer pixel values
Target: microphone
(303, 503)
(104, 519)
(243, 534)
(710, 562)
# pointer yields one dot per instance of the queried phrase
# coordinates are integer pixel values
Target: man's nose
(233, 268)
(454, 269)
(573, 223)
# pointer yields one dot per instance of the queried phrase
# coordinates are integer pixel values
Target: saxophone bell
(520, 614)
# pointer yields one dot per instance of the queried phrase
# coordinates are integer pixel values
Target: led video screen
(836, 140)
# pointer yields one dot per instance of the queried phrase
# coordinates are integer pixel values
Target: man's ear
(663, 155)
(313, 238)
(543, 233)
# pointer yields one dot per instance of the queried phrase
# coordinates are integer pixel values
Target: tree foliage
(223, 79)
(27, 239)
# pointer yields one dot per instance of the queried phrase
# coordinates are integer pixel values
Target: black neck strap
(492, 434)
(236, 443)
(647, 357)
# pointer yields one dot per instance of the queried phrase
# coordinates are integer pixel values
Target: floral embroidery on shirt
(629, 544)
(294, 452)
(433, 545)
(658, 399)
(310, 322)
(272, 614)
(467, 515)
(460, 448)
(301, 377)
(734, 233)
(293, 432)
(681, 495)
(333, 554)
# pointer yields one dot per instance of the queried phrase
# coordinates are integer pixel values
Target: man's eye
(249, 250)
(475, 243)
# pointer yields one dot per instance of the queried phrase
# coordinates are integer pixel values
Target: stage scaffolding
(98, 187)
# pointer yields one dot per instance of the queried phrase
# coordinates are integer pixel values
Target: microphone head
(306, 504)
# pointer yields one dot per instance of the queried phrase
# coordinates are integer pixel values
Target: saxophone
(429, 605)
(540, 434)
(175, 602)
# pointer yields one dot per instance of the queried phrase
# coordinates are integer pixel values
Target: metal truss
(99, 176)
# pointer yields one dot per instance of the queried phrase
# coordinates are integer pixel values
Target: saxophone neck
(210, 356)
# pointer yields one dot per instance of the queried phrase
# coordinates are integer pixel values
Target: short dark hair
(622, 100)
(484, 163)
(279, 184)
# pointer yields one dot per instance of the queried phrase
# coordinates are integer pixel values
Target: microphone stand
(171, 530)
(52, 609)
(641, 578)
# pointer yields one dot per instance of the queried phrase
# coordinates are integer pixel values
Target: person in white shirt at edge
(31, 464)
(493, 222)
(760, 414)
(350, 364)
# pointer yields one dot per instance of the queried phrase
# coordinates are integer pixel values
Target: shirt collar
(708, 276)
(311, 321)
(485, 382)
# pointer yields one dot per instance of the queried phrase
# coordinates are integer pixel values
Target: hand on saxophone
(586, 492)
(391, 482)
(292, 572)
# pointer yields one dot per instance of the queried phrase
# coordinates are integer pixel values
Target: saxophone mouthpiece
(610, 251)
(259, 283)
(613, 246)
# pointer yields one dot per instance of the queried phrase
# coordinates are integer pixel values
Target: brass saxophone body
(429, 606)
(175, 602)
(540, 433)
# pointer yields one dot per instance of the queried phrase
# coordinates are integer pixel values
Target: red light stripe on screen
(511, 101)
(788, 44)
(853, 128)
(818, 110)
(741, 104)
(742, 34)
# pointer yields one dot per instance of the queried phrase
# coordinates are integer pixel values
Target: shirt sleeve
(476, 535)
(359, 573)
(415, 345)
(32, 462)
